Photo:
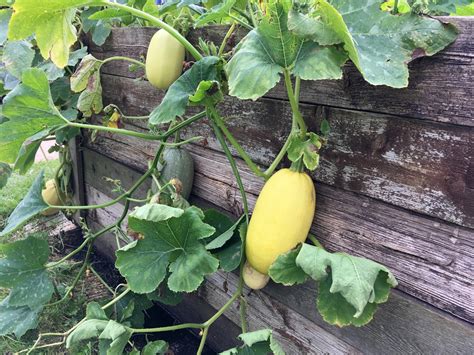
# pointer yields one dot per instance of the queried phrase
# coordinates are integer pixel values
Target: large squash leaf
(23, 271)
(270, 49)
(172, 239)
(30, 109)
(17, 320)
(382, 44)
(51, 22)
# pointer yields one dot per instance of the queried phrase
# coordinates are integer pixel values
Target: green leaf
(305, 148)
(382, 45)
(355, 279)
(89, 329)
(130, 309)
(221, 237)
(114, 338)
(51, 22)
(258, 342)
(5, 15)
(171, 239)
(337, 311)
(17, 57)
(26, 156)
(164, 295)
(325, 128)
(284, 269)
(155, 347)
(176, 99)
(310, 26)
(17, 320)
(5, 173)
(31, 205)
(226, 243)
(216, 13)
(206, 89)
(270, 49)
(30, 109)
(95, 311)
(23, 270)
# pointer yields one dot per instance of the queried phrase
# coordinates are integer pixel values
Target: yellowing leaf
(51, 22)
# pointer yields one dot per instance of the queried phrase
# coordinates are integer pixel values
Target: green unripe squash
(164, 60)
(179, 164)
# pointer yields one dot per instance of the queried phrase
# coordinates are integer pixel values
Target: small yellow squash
(164, 60)
(281, 219)
(50, 195)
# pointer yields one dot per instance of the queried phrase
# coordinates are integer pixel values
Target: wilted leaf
(305, 148)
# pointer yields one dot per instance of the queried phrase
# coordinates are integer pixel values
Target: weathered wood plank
(449, 71)
(413, 164)
(402, 325)
(308, 339)
(77, 176)
(432, 260)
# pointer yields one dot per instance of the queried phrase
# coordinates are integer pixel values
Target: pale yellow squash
(281, 218)
(51, 197)
(254, 279)
(164, 60)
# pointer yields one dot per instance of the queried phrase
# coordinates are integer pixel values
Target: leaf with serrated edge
(30, 109)
(382, 45)
(270, 49)
(31, 205)
(171, 239)
(285, 271)
(353, 277)
(51, 22)
(337, 311)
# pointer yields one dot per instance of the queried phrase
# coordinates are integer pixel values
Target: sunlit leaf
(51, 22)
(30, 109)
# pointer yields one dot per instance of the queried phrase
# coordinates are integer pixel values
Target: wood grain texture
(418, 165)
(432, 260)
(402, 325)
(440, 87)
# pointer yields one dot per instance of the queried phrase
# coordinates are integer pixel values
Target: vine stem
(243, 154)
(157, 22)
(127, 132)
(118, 57)
(226, 38)
(214, 116)
(313, 240)
(149, 172)
(294, 103)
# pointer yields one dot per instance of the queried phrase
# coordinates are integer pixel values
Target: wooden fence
(396, 185)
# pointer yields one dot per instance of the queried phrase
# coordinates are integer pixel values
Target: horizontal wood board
(402, 325)
(440, 87)
(433, 260)
(425, 167)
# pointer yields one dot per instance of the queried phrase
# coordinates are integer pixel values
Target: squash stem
(297, 166)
